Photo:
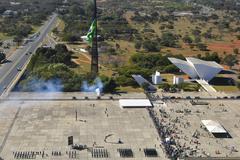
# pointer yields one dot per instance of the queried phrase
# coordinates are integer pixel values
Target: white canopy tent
(134, 103)
(213, 126)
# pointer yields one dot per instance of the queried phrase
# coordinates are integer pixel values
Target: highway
(9, 71)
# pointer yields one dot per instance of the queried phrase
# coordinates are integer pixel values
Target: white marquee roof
(134, 103)
(197, 68)
(213, 126)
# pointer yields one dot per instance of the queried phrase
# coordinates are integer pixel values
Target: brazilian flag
(91, 32)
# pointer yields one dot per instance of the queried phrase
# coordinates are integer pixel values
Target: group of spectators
(168, 132)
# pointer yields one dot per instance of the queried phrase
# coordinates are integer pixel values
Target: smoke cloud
(39, 85)
(97, 85)
(55, 85)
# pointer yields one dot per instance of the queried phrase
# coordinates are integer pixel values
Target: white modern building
(197, 68)
(156, 78)
(177, 80)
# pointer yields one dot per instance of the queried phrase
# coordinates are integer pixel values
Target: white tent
(213, 126)
(134, 103)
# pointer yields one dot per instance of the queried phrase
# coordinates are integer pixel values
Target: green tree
(169, 39)
(238, 37)
(230, 60)
(2, 56)
(171, 69)
(89, 8)
(202, 46)
(149, 61)
(70, 37)
(76, 10)
(138, 45)
(187, 39)
(197, 39)
(24, 30)
(236, 51)
(151, 46)
(211, 57)
(196, 32)
(18, 39)
(59, 54)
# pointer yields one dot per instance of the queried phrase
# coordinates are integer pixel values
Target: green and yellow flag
(91, 32)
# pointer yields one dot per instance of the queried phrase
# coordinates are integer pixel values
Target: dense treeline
(22, 17)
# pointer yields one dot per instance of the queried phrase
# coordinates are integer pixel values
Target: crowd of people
(165, 133)
(168, 132)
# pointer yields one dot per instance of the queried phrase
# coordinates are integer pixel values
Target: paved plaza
(44, 126)
(183, 120)
(39, 125)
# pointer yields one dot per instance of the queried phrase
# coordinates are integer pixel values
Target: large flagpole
(94, 61)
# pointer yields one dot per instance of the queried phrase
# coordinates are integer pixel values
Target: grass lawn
(129, 89)
(35, 28)
(125, 46)
(82, 68)
(4, 36)
(169, 77)
(226, 88)
(60, 25)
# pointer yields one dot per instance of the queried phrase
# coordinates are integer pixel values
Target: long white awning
(134, 103)
(213, 126)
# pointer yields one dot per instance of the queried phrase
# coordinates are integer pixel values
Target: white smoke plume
(96, 86)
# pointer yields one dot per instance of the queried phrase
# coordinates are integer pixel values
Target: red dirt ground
(221, 47)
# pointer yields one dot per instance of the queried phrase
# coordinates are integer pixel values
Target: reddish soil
(221, 47)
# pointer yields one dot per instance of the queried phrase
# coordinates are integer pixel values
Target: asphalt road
(9, 70)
